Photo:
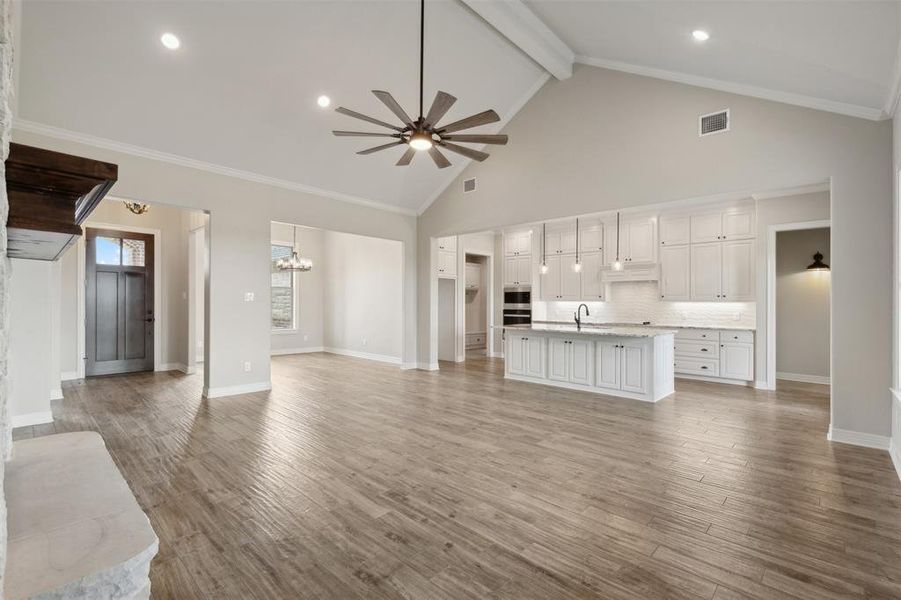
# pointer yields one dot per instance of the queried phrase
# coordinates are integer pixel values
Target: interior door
(118, 302)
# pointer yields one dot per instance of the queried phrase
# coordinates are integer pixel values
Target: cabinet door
(510, 270)
(592, 283)
(737, 361)
(552, 243)
(510, 242)
(739, 224)
(675, 230)
(557, 359)
(580, 354)
(517, 243)
(738, 271)
(568, 241)
(570, 281)
(675, 272)
(447, 243)
(523, 270)
(449, 263)
(642, 246)
(633, 368)
(514, 359)
(607, 367)
(706, 271)
(591, 239)
(550, 281)
(533, 351)
(706, 228)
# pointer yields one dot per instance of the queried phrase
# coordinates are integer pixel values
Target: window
(282, 293)
(116, 251)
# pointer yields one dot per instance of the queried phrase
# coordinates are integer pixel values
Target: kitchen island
(630, 362)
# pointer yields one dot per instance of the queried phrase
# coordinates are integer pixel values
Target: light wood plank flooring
(353, 479)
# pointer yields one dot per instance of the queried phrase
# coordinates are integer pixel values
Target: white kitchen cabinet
(675, 273)
(607, 366)
(637, 242)
(737, 361)
(706, 271)
(557, 360)
(561, 282)
(560, 241)
(675, 230)
(525, 355)
(591, 239)
(739, 224)
(633, 375)
(448, 243)
(706, 227)
(730, 224)
(593, 287)
(517, 243)
(570, 360)
(621, 366)
(738, 271)
(447, 263)
(517, 270)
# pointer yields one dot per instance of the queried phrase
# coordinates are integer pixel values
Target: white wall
(896, 280)
(447, 338)
(637, 144)
(240, 214)
(802, 305)
(363, 295)
(30, 338)
(310, 286)
(476, 302)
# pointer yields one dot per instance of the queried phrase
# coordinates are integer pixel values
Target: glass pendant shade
(543, 268)
(296, 262)
(818, 264)
(617, 265)
(577, 267)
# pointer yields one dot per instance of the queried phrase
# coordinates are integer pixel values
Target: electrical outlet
(306, 338)
(247, 366)
(248, 296)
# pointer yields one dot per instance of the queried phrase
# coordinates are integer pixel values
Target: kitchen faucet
(578, 315)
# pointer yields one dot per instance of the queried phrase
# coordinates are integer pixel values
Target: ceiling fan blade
(439, 158)
(356, 115)
(364, 134)
(474, 138)
(406, 158)
(442, 103)
(379, 148)
(467, 152)
(483, 118)
(393, 106)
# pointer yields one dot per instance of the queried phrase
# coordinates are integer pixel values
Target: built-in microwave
(517, 306)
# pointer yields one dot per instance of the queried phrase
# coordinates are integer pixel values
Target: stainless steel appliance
(517, 306)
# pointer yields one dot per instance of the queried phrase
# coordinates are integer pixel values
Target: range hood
(646, 273)
(50, 195)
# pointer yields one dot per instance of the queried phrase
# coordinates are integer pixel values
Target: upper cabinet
(518, 243)
(675, 230)
(448, 243)
(731, 224)
(591, 238)
(560, 241)
(517, 270)
(447, 257)
(637, 241)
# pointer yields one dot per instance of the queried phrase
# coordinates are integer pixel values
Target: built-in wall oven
(517, 306)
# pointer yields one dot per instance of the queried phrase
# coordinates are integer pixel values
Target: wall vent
(469, 185)
(717, 122)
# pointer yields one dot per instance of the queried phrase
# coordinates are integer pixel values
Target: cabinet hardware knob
(703, 349)
(704, 367)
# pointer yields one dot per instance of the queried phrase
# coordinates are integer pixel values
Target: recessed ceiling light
(323, 101)
(170, 41)
(700, 35)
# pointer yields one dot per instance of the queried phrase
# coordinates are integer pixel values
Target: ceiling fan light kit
(424, 133)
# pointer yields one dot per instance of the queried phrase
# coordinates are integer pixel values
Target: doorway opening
(476, 307)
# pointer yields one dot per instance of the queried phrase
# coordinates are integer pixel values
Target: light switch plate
(248, 296)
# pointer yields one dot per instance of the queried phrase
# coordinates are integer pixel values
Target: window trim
(295, 300)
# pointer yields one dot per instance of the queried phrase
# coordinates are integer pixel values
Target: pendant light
(295, 263)
(543, 268)
(617, 264)
(818, 264)
(578, 266)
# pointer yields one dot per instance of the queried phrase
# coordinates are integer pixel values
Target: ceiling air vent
(713, 123)
(469, 185)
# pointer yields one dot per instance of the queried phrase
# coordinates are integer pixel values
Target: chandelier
(296, 262)
(136, 207)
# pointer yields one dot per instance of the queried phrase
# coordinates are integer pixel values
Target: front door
(118, 302)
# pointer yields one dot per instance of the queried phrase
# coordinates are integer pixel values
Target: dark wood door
(118, 302)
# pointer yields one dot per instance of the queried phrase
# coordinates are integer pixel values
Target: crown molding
(183, 161)
(894, 91)
(508, 116)
(515, 21)
(795, 191)
(842, 108)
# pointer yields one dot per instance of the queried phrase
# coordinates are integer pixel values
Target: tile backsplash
(635, 302)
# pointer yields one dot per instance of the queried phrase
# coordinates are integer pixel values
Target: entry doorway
(477, 313)
(119, 301)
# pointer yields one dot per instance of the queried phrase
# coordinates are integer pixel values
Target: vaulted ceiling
(240, 93)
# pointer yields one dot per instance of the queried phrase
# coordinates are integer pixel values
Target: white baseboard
(427, 367)
(895, 452)
(68, 375)
(235, 390)
(713, 379)
(857, 438)
(56, 394)
(35, 418)
(365, 355)
(409, 366)
(174, 367)
(802, 378)
(761, 385)
(284, 351)
(496, 355)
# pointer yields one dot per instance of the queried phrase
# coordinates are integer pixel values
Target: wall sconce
(136, 207)
(818, 264)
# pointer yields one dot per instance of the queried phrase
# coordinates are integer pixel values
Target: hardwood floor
(353, 479)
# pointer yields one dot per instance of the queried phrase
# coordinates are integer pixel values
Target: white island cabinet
(630, 362)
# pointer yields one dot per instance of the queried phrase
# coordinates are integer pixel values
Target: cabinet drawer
(697, 349)
(697, 366)
(745, 337)
(709, 335)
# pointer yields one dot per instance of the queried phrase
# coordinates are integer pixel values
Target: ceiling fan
(424, 133)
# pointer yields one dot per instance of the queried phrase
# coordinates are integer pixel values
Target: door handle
(149, 320)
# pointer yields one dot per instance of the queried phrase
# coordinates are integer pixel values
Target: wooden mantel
(50, 196)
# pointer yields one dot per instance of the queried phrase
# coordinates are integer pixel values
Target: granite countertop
(652, 326)
(592, 329)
